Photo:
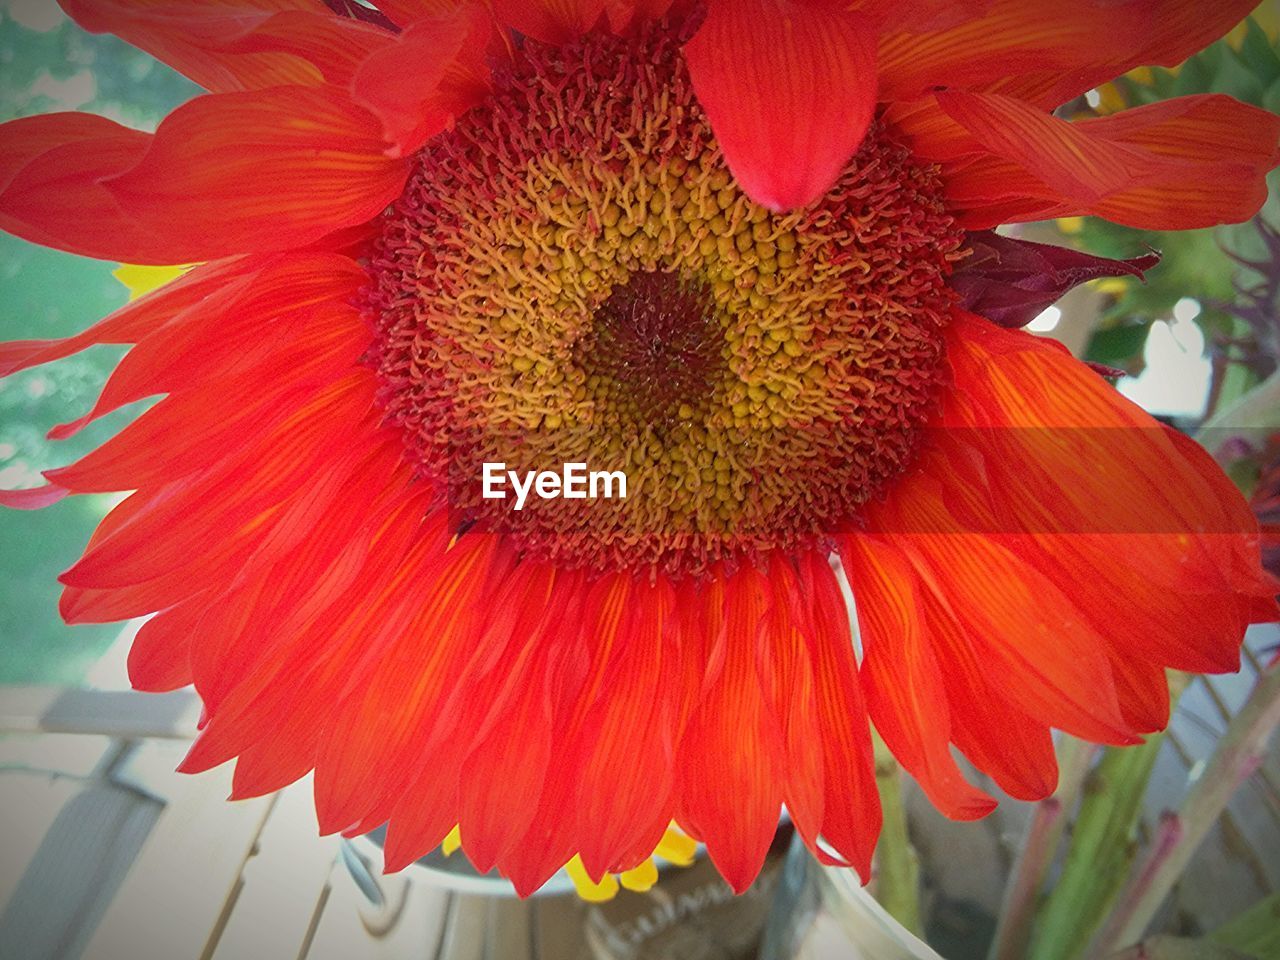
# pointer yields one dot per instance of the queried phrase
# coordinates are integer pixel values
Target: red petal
(1009, 39)
(293, 611)
(628, 745)
(1148, 33)
(1001, 738)
(131, 322)
(300, 655)
(254, 319)
(226, 47)
(33, 498)
(231, 497)
(50, 190)
(787, 655)
(851, 807)
(405, 12)
(1182, 163)
(160, 655)
(551, 21)
(224, 173)
(902, 677)
(1052, 663)
(380, 732)
(447, 61)
(275, 763)
(789, 89)
(1061, 154)
(624, 14)
(506, 691)
(589, 639)
(923, 17)
(210, 421)
(1086, 477)
(263, 170)
(1049, 54)
(732, 742)
(1215, 153)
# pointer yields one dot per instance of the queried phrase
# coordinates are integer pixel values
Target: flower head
(739, 251)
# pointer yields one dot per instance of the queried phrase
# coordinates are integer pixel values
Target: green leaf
(1258, 53)
(1119, 346)
(1271, 97)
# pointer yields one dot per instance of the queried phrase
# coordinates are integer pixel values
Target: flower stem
(1102, 848)
(1255, 931)
(1238, 754)
(897, 886)
(1037, 851)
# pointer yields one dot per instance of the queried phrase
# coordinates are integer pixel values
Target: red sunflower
(737, 250)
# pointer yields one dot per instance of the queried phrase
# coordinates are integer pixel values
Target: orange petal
(787, 669)
(1009, 38)
(228, 46)
(160, 655)
(1183, 163)
(902, 678)
(510, 740)
(313, 615)
(789, 89)
(51, 168)
(376, 736)
(224, 173)
(625, 788)
(732, 741)
(1048, 54)
(1063, 155)
(1084, 477)
(851, 814)
(1214, 155)
(260, 476)
(1148, 32)
(1053, 664)
(262, 170)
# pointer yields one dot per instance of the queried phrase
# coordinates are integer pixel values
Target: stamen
(572, 275)
(654, 351)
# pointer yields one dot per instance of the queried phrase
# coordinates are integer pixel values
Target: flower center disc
(572, 276)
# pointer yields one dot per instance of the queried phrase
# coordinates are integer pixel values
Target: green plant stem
(1254, 932)
(1178, 948)
(1238, 754)
(1038, 849)
(1103, 846)
(898, 875)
